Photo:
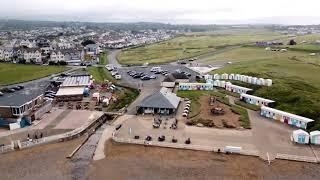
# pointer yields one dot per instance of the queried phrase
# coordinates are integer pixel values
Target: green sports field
(15, 73)
(189, 45)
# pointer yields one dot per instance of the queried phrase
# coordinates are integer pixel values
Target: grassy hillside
(188, 45)
(15, 73)
(296, 87)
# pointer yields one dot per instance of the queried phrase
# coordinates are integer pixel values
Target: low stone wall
(181, 146)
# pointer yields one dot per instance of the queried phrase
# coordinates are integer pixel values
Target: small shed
(263, 81)
(315, 137)
(222, 84)
(225, 76)
(216, 76)
(241, 78)
(268, 82)
(249, 80)
(245, 78)
(300, 136)
(237, 77)
(208, 76)
(216, 83)
(231, 76)
(254, 80)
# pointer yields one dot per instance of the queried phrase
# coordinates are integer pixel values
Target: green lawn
(295, 74)
(189, 45)
(100, 75)
(125, 97)
(15, 73)
(194, 97)
(104, 58)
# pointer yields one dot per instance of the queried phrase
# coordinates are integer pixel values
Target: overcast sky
(167, 11)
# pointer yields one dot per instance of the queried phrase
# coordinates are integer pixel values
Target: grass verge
(244, 116)
(100, 75)
(125, 97)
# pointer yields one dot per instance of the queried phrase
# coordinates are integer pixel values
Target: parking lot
(138, 83)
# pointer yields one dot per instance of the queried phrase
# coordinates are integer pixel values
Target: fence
(296, 158)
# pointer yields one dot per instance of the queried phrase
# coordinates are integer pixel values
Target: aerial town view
(158, 90)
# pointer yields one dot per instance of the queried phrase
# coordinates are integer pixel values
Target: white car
(184, 114)
(186, 111)
(186, 108)
(117, 77)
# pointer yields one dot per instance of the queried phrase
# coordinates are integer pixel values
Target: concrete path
(107, 135)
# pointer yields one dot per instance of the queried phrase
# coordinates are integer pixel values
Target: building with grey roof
(161, 102)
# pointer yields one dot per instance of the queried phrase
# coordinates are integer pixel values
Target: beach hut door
(301, 139)
(286, 119)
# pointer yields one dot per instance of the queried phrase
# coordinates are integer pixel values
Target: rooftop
(161, 99)
(31, 91)
(76, 80)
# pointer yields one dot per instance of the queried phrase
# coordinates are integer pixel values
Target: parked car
(153, 77)
(158, 72)
(136, 76)
(16, 88)
(21, 87)
(1, 93)
(155, 69)
(184, 114)
(144, 78)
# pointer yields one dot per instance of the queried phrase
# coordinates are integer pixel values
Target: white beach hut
(249, 80)
(245, 79)
(315, 137)
(263, 81)
(216, 83)
(254, 80)
(225, 76)
(300, 136)
(241, 78)
(223, 84)
(268, 82)
(216, 76)
(231, 77)
(207, 77)
(237, 77)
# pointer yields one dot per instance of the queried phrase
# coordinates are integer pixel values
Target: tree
(87, 42)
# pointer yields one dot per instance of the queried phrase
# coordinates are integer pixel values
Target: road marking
(268, 158)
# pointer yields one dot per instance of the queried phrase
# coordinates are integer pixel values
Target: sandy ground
(39, 163)
(139, 162)
(229, 116)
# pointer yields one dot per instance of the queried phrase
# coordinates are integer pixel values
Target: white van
(155, 69)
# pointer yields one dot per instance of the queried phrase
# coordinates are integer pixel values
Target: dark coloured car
(137, 76)
(158, 72)
(21, 87)
(144, 78)
(16, 88)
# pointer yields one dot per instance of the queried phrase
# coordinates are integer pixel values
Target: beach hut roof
(300, 118)
(314, 133)
(300, 131)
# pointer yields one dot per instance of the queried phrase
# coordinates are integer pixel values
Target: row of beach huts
(245, 95)
(240, 77)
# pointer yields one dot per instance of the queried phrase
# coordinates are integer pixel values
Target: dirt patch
(229, 119)
(140, 162)
(42, 162)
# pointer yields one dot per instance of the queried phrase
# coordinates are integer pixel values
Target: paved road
(112, 57)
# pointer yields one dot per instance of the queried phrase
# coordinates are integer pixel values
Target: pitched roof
(161, 99)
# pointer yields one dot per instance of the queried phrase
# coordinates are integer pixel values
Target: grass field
(295, 74)
(126, 97)
(15, 73)
(104, 58)
(189, 45)
(100, 75)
